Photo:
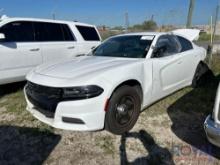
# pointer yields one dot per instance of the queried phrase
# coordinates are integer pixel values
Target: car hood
(82, 66)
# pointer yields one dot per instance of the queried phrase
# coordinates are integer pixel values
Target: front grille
(45, 99)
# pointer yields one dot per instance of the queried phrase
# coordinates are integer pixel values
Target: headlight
(84, 92)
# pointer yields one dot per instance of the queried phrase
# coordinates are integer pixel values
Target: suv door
(19, 52)
(90, 36)
(56, 40)
(168, 71)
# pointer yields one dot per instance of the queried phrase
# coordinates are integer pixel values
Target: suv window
(67, 33)
(185, 44)
(48, 32)
(170, 43)
(88, 33)
(18, 31)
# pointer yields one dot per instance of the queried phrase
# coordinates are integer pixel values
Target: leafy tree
(149, 25)
(118, 28)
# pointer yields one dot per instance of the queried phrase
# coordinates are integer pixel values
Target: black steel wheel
(201, 70)
(123, 110)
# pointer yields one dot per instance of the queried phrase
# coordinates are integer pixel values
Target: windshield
(133, 46)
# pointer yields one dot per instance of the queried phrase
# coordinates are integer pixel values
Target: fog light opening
(72, 120)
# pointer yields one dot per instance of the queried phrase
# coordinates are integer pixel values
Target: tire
(201, 70)
(123, 110)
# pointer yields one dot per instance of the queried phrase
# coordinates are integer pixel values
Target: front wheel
(123, 110)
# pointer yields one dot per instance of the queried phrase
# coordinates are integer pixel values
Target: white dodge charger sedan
(109, 87)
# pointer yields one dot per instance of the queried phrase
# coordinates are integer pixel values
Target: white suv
(27, 42)
(109, 87)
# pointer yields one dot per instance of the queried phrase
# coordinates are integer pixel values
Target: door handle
(35, 49)
(71, 47)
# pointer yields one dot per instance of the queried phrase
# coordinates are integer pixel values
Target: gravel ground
(166, 133)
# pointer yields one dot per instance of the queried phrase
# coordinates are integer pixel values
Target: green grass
(216, 65)
(106, 143)
(207, 37)
(12, 100)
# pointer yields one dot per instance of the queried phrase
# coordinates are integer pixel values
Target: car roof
(155, 34)
(143, 33)
(44, 20)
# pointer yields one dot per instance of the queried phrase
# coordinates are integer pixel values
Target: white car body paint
(18, 58)
(158, 78)
(190, 34)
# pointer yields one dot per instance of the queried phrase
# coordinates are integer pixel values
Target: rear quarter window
(68, 35)
(185, 44)
(88, 33)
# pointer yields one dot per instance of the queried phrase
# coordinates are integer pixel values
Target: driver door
(19, 51)
(167, 67)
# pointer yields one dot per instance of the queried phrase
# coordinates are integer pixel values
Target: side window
(168, 45)
(88, 33)
(48, 32)
(185, 44)
(18, 31)
(67, 33)
(39, 31)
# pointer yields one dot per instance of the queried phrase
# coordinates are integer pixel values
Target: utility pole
(53, 15)
(54, 9)
(152, 17)
(213, 34)
(190, 14)
(216, 22)
(1, 11)
(126, 22)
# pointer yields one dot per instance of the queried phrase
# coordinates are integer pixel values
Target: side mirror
(2, 36)
(159, 51)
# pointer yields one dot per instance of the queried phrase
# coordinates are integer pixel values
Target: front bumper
(212, 131)
(90, 111)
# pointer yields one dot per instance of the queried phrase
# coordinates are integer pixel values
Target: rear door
(190, 59)
(90, 36)
(19, 52)
(168, 70)
(56, 40)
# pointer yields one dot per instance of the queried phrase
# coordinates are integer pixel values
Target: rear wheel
(123, 110)
(201, 70)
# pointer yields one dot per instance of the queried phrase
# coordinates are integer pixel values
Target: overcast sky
(111, 12)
